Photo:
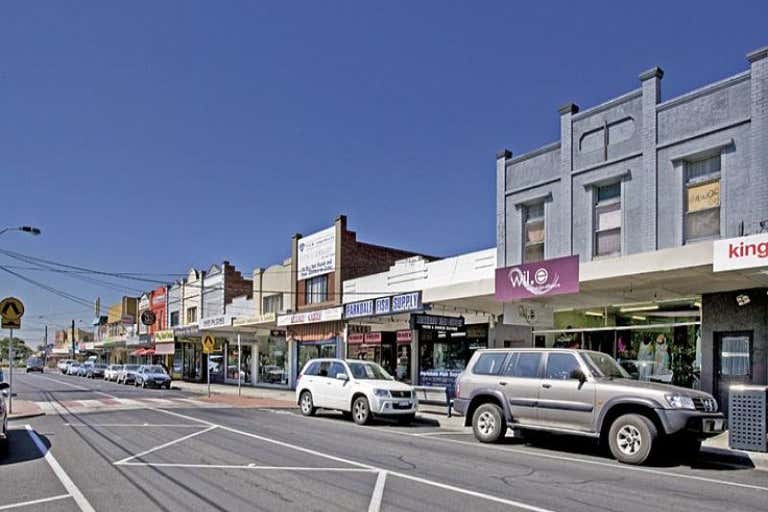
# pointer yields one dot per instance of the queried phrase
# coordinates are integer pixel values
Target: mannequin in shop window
(661, 359)
(645, 359)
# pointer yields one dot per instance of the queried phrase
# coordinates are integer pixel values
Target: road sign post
(208, 346)
(11, 311)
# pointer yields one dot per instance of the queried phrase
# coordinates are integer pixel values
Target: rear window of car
(489, 363)
(312, 368)
(525, 365)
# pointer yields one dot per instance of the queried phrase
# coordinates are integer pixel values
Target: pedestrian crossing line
(118, 404)
(91, 403)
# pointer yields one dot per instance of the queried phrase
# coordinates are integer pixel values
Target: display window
(444, 355)
(273, 360)
(314, 350)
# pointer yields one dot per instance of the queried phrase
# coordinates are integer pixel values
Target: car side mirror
(342, 376)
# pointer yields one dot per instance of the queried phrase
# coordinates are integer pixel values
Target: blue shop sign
(402, 303)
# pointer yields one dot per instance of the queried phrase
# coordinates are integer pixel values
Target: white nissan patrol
(362, 389)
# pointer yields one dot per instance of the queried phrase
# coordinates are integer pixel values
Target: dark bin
(748, 418)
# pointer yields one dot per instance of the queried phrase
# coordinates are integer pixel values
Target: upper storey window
(702, 199)
(533, 232)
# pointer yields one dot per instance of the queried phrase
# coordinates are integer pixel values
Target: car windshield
(368, 371)
(100, 366)
(603, 365)
(131, 367)
(155, 369)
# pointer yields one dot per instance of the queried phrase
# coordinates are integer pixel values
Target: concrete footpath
(716, 447)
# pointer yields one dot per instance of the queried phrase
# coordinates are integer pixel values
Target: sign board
(11, 310)
(163, 336)
(317, 254)
(208, 344)
(128, 319)
(404, 336)
(148, 317)
(215, 321)
(437, 323)
(543, 278)
(310, 317)
(704, 196)
(393, 304)
(265, 318)
(355, 338)
(742, 252)
(372, 337)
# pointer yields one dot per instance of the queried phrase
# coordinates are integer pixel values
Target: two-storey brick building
(639, 189)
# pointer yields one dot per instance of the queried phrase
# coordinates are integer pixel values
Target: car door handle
(546, 386)
(502, 383)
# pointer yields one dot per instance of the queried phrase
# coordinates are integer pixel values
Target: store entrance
(733, 363)
(308, 351)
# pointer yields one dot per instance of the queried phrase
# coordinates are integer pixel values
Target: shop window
(316, 290)
(174, 318)
(192, 315)
(272, 303)
(702, 199)
(735, 356)
(562, 366)
(533, 237)
(607, 237)
(525, 366)
(489, 363)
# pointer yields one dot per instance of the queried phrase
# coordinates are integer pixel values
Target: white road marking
(248, 466)
(160, 401)
(405, 476)
(91, 403)
(34, 502)
(62, 475)
(131, 425)
(164, 445)
(378, 492)
(451, 433)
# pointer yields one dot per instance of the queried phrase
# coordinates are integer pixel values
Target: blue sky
(153, 136)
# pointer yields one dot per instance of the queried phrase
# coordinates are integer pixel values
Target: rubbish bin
(748, 417)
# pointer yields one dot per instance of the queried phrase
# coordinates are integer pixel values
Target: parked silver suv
(584, 393)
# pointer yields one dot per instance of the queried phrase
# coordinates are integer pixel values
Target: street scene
(432, 256)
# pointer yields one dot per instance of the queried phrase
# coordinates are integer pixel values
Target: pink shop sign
(540, 279)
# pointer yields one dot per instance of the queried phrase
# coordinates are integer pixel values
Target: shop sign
(215, 321)
(317, 253)
(401, 303)
(90, 346)
(158, 299)
(437, 323)
(743, 252)
(187, 330)
(132, 340)
(164, 349)
(164, 336)
(355, 338)
(703, 197)
(266, 318)
(148, 317)
(276, 333)
(440, 378)
(373, 337)
(543, 278)
(128, 319)
(404, 336)
(310, 317)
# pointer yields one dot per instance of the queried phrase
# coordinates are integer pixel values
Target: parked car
(360, 388)
(127, 374)
(3, 417)
(153, 375)
(84, 369)
(73, 368)
(34, 364)
(585, 393)
(63, 365)
(112, 371)
(96, 371)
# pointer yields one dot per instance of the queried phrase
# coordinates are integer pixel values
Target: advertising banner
(317, 254)
(540, 279)
(163, 336)
(310, 317)
(393, 304)
(743, 252)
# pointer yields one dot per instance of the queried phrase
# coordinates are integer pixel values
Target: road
(104, 446)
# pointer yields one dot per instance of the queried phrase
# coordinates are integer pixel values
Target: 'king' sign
(540, 279)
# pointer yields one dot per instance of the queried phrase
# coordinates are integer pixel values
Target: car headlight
(381, 393)
(680, 402)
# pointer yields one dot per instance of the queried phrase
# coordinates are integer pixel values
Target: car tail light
(458, 388)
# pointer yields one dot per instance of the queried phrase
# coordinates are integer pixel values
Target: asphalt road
(183, 457)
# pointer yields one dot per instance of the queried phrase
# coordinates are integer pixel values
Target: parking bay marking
(164, 445)
(35, 502)
(405, 476)
(62, 475)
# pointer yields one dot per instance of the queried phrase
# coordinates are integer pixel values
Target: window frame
(311, 295)
(512, 363)
(597, 205)
(712, 177)
(276, 298)
(192, 318)
(499, 369)
(530, 221)
(579, 365)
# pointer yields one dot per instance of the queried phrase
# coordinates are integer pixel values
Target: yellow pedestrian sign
(11, 309)
(208, 344)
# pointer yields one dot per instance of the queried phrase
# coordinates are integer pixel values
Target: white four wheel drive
(360, 389)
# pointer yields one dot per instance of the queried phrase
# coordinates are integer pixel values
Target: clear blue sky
(151, 136)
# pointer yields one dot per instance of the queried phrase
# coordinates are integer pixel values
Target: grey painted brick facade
(649, 142)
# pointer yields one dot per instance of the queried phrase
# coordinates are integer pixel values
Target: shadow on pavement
(21, 448)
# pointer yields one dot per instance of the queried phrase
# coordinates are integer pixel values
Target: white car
(362, 389)
(112, 371)
(63, 365)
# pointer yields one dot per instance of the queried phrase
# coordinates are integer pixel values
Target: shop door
(388, 356)
(733, 363)
(403, 368)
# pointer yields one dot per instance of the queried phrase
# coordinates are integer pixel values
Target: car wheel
(306, 404)
(406, 419)
(361, 411)
(488, 423)
(632, 438)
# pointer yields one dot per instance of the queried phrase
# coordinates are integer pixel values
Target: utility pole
(45, 350)
(73, 339)
(11, 356)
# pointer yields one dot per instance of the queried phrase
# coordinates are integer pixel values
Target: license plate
(404, 404)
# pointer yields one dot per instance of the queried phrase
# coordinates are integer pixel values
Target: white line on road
(405, 476)
(378, 492)
(131, 425)
(248, 466)
(164, 445)
(35, 502)
(62, 475)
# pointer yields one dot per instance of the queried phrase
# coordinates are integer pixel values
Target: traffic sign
(11, 310)
(208, 344)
